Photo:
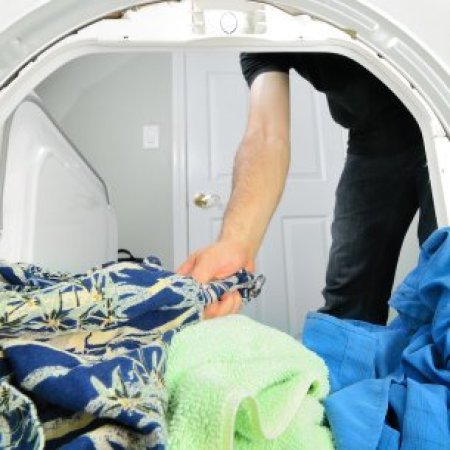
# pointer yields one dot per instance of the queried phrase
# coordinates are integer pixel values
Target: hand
(217, 261)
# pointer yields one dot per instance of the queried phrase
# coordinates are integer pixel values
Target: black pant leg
(427, 217)
(376, 200)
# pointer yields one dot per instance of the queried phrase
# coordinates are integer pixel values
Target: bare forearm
(259, 176)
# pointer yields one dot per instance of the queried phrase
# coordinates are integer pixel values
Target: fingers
(201, 269)
(250, 266)
(188, 265)
(229, 303)
(203, 272)
(217, 261)
(237, 305)
(198, 267)
(211, 311)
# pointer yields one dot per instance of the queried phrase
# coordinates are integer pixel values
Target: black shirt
(377, 120)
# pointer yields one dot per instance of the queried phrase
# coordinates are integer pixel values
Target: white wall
(102, 102)
(1, 173)
(1, 139)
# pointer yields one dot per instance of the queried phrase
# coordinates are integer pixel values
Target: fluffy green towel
(236, 384)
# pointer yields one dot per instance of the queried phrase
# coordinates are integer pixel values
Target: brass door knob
(206, 201)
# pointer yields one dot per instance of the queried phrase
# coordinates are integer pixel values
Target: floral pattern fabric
(83, 357)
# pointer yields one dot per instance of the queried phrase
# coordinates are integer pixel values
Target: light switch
(150, 137)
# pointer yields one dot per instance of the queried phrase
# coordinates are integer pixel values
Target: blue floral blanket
(83, 357)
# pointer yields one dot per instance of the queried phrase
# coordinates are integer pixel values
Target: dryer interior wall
(102, 102)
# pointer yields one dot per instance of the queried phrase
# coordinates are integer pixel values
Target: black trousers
(376, 200)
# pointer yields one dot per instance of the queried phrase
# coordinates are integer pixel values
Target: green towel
(236, 384)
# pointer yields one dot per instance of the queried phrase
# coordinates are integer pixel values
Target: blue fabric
(84, 356)
(391, 384)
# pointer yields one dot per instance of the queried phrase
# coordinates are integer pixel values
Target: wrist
(243, 244)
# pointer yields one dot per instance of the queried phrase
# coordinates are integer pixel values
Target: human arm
(259, 176)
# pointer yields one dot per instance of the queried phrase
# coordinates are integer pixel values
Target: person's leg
(427, 217)
(376, 200)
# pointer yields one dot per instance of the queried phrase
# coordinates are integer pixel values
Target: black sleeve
(253, 64)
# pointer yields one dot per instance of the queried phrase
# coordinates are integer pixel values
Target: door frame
(180, 198)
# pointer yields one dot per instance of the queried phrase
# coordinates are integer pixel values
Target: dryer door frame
(43, 26)
(27, 43)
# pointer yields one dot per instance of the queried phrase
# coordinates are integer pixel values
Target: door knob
(206, 201)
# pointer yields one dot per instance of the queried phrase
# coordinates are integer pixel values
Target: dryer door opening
(130, 36)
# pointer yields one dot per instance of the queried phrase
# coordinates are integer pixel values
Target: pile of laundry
(390, 385)
(117, 358)
(83, 357)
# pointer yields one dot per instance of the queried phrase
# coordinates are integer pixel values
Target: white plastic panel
(13, 11)
(414, 45)
(35, 24)
(55, 208)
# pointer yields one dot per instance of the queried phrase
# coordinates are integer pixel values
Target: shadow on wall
(102, 102)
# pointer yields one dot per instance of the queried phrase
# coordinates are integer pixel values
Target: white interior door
(295, 249)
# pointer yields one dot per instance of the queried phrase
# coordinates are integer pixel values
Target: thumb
(187, 267)
(250, 266)
(202, 271)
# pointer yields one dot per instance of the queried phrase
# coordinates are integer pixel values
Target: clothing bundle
(106, 360)
(83, 358)
(390, 385)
